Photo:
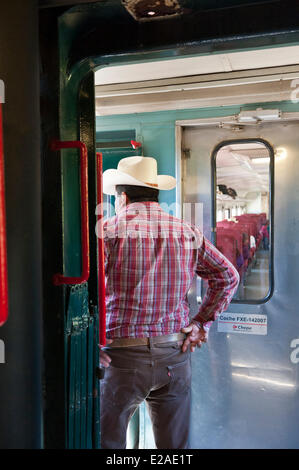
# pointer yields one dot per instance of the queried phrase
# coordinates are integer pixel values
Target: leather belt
(127, 342)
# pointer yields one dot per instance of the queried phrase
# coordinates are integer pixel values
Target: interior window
(243, 214)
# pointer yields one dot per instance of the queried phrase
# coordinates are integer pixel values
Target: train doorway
(243, 378)
(231, 168)
(76, 60)
(245, 375)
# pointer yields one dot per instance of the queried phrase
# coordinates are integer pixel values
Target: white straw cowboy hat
(137, 171)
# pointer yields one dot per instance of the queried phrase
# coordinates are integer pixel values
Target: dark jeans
(160, 375)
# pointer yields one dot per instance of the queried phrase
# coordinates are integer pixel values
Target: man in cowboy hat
(150, 261)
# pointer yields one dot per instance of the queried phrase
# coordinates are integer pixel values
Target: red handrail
(3, 253)
(136, 144)
(60, 279)
(101, 255)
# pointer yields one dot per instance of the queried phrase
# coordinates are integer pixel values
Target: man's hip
(158, 373)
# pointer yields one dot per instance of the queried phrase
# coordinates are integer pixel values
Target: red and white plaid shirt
(151, 259)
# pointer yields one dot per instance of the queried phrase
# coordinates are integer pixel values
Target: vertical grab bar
(101, 255)
(3, 253)
(59, 279)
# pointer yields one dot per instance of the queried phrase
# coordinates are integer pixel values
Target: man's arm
(223, 280)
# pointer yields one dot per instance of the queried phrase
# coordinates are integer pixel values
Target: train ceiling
(193, 82)
(151, 10)
(178, 27)
(238, 167)
(190, 66)
(140, 8)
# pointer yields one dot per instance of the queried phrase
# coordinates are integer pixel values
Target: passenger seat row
(238, 240)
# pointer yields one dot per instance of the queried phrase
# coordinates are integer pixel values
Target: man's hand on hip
(104, 358)
(195, 337)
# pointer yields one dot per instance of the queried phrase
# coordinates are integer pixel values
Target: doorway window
(243, 179)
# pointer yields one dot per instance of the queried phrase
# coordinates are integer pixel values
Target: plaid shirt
(151, 259)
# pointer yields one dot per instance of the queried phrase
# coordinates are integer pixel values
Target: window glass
(243, 215)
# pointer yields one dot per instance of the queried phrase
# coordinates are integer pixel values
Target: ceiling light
(142, 10)
(259, 115)
(280, 153)
(247, 118)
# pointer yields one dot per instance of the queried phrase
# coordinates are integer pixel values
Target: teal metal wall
(157, 136)
(81, 359)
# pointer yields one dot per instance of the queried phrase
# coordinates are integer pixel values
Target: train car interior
(154, 105)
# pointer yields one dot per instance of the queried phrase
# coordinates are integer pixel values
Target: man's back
(151, 259)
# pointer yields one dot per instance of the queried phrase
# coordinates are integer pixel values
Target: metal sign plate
(242, 323)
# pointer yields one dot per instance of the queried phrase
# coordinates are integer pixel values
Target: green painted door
(111, 157)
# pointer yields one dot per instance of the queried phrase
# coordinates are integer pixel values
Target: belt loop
(151, 343)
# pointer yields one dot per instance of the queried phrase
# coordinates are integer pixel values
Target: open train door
(77, 280)
(83, 280)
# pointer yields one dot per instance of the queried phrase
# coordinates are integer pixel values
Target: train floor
(255, 285)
